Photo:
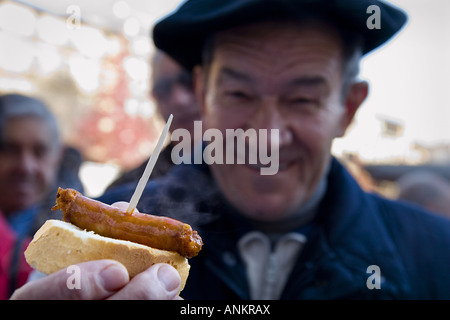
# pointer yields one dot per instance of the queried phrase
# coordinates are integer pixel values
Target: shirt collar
(267, 266)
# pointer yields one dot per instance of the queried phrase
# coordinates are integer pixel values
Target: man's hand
(105, 279)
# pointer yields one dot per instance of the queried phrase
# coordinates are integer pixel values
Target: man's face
(276, 76)
(173, 92)
(28, 163)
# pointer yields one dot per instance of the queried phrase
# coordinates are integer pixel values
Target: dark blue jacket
(352, 232)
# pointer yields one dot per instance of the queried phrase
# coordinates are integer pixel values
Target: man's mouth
(23, 186)
(282, 166)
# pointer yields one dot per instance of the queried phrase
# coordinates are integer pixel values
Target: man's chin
(25, 199)
(266, 211)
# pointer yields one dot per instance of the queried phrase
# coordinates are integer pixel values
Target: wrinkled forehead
(33, 126)
(280, 39)
(15, 108)
(279, 46)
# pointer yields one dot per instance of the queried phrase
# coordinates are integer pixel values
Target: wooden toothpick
(149, 168)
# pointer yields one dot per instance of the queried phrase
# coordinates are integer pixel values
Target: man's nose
(270, 118)
(26, 162)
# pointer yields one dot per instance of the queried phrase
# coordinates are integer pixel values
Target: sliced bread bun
(58, 244)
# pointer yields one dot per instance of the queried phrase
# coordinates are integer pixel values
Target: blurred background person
(173, 93)
(14, 270)
(426, 189)
(30, 154)
(69, 170)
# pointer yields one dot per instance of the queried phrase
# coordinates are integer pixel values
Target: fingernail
(114, 277)
(168, 277)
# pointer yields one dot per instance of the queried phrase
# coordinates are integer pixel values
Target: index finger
(93, 280)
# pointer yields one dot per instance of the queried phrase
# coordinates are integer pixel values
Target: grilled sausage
(154, 231)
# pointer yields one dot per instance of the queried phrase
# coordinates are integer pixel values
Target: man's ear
(199, 79)
(356, 95)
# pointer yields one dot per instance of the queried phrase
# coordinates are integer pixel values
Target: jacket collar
(348, 236)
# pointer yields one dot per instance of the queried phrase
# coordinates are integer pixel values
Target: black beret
(182, 34)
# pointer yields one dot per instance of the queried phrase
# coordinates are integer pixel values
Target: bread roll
(58, 244)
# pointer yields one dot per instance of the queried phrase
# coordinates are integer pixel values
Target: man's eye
(239, 94)
(40, 151)
(301, 100)
(9, 149)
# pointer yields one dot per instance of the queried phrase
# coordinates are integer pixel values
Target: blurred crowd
(34, 162)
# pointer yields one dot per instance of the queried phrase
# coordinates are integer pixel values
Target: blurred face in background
(173, 92)
(29, 160)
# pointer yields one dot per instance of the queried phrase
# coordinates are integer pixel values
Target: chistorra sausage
(154, 231)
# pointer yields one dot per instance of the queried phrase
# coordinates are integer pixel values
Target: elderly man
(308, 231)
(30, 154)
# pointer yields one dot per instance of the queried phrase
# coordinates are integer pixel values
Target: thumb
(93, 280)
